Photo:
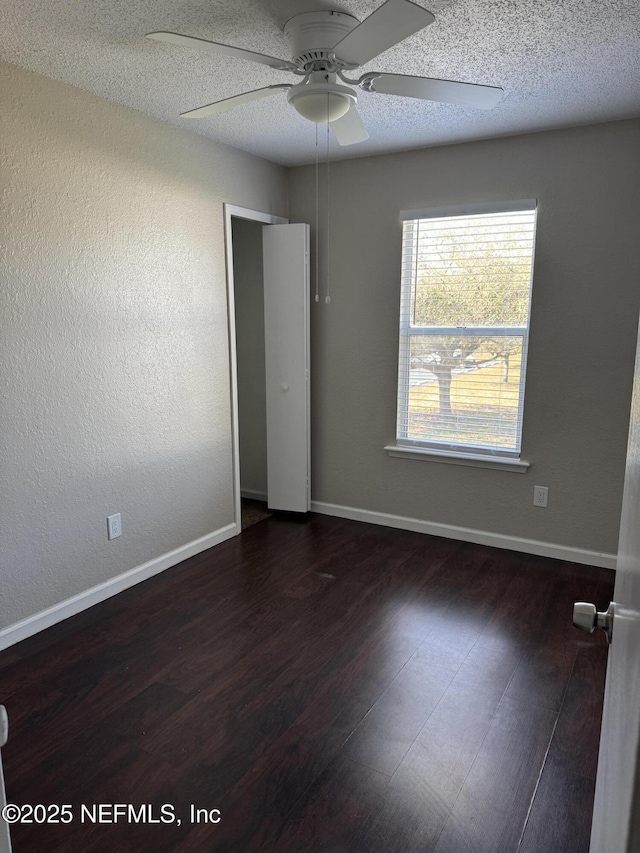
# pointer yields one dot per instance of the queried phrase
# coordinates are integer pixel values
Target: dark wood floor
(328, 686)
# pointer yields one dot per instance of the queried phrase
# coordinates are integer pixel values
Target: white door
(616, 829)
(286, 318)
(5, 841)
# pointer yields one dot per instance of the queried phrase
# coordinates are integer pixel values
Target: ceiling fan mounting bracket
(312, 37)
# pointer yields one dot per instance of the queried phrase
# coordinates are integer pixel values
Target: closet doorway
(268, 297)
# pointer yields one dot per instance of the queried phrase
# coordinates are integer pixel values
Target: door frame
(232, 210)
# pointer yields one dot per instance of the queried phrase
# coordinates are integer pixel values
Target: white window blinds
(464, 325)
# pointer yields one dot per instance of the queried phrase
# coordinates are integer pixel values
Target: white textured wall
(114, 371)
(583, 326)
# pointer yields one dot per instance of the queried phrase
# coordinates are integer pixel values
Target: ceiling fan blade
(350, 128)
(224, 49)
(235, 101)
(391, 23)
(430, 89)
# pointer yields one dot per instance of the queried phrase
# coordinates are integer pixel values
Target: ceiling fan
(324, 45)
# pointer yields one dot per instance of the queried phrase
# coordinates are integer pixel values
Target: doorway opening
(246, 325)
(248, 278)
(267, 276)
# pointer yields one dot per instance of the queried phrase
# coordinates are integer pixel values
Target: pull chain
(327, 298)
(317, 299)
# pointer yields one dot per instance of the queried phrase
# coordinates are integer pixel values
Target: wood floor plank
(9, 657)
(291, 764)
(328, 817)
(406, 822)
(458, 630)
(498, 569)
(385, 735)
(463, 563)
(425, 786)
(127, 726)
(547, 663)
(261, 681)
(520, 611)
(560, 816)
(572, 583)
(356, 675)
(449, 742)
(85, 692)
(83, 765)
(486, 669)
(542, 675)
(330, 685)
(491, 809)
(282, 774)
(577, 736)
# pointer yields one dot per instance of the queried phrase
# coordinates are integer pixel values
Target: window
(464, 326)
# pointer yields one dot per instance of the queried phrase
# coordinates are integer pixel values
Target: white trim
(503, 463)
(472, 209)
(253, 494)
(230, 210)
(408, 331)
(468, 534)
(83, 600)
(254, 215)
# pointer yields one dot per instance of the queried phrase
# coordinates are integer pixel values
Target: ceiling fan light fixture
(320, 108)
(321, 102)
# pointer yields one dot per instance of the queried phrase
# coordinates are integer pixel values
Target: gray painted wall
(584, 319)
(113, 315)
(252, 397)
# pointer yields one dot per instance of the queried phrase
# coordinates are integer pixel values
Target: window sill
(516, 466)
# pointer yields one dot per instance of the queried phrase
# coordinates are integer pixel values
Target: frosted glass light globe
(320, 107)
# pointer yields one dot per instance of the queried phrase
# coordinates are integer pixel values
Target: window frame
(449, 451)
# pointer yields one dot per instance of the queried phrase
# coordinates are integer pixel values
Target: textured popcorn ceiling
(561, 63)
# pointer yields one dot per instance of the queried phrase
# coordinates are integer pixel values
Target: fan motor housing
(312, 37)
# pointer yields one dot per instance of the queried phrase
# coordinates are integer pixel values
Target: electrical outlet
(540, 495)
(114, 526)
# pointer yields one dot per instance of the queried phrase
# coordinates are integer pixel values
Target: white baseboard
(253, 495)
(83, 600)
(468, 534)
